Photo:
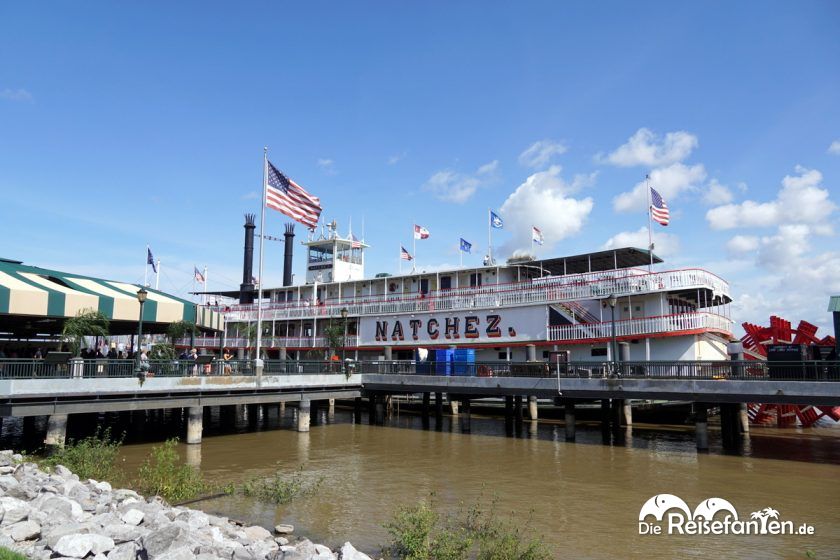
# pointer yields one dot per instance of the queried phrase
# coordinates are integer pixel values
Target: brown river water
(583, 498)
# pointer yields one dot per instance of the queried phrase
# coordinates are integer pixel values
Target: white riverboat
(555, 308)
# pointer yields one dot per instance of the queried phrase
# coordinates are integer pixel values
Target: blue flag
(150, 259)
(496, 220)
(466, 246)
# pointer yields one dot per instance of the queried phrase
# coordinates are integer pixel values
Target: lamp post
(611, 301)
(344, 338)
(142, 294)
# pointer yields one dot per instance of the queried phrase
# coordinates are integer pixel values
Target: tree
(335, 337)
(86, 323)
(180, 329)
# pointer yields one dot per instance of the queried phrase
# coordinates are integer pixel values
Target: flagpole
(157, 275)
(206, 295)
(399, 260)
(146, 270)
(461, 252)
(489, 236)
(650, 228)
(532, 241)
(414, 247)
(262, 226)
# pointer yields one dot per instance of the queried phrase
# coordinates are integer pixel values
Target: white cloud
(648, 149)
(396, 158)
(743, 244)
(665, 244)
(19, 94)
(669, 181)
(801, 200)
(327, 166)
(715, 193)
(543, 200)
(451, 186)
(834, 148)
(252, 195)
(540, 153)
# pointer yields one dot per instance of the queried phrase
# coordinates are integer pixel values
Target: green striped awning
(38, 292)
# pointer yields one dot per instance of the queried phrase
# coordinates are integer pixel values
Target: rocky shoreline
(56, 515)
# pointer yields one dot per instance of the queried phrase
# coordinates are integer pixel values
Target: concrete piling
(701, 426)
(744, 416)
(357, 410)
(466, 417)
(569, 414)
(304, 409)
(195, 424)
(532, 407)
(56, 431)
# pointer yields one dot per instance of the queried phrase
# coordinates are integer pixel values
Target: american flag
(354, 242)
(405, 255)
(658, 208)
(536, 235)
(199, 277)
(286, 196)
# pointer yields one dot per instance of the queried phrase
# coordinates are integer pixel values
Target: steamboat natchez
(554, 308)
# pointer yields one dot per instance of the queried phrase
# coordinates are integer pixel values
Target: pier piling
(701, 426)
(56, 431)
(304, 410)
(195, 424)
(569, 413)
(532, 407)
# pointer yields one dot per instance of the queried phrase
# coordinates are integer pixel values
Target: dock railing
(811, 371)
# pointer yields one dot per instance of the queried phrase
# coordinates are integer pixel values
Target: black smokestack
(287, 255)
(246, 289)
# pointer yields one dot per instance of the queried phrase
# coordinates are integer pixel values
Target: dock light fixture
(142, 294)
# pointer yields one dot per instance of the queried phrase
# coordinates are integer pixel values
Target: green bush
(92, 457)
(6, 554)
(419, 532)
(281, 488)
(163, 474)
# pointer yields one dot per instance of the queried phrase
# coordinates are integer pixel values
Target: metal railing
(642, 326)
(594, 285)
(268, 342)
(812, 371)
(816, 371)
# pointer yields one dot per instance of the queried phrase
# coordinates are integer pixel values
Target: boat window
(599, 352)
(321, 253)
(445, 282)
(475, 280)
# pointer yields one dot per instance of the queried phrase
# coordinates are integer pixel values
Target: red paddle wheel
(755, 348)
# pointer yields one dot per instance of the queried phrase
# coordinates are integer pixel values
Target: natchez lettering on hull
(509, 325)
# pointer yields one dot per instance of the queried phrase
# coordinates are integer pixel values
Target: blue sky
(123, 125)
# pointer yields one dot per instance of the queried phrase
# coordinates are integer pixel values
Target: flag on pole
(420, 232)
(536, 235)
(658, 209)
(496, 220)
(466, 246)
(405, 255)
(354, 242)
(199, 277)
(286, 196)
(151, 260)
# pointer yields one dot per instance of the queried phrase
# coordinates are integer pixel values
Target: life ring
(484, 371)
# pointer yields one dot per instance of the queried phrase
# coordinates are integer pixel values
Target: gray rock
(284, 529)
(63, 506)
(14, 510)
(63, 472)
(348, 552)
(23, 531)
(262, 549)
(281, 540)
(8, 481)
(164, 540)
(121, 494)
(194, 519)
(183, 553)
(256, 533)
(133, 516)
(124, 533)
(76, 545)
(52, 536)
(125, 551)
(100, 486)
(7, 469)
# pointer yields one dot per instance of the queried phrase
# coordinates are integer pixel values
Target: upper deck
(531, 291)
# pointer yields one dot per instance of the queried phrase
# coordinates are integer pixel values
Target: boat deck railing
(595, 285)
